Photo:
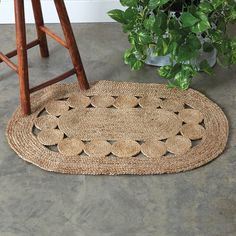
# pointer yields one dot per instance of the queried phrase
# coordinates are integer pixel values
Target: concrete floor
(38, 203)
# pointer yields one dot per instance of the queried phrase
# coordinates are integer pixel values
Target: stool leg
(38, 16)
(22, 56)
(72, 46)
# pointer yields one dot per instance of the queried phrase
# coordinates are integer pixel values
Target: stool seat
(42, 31)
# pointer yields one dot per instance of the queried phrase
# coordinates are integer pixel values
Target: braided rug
(119, 128)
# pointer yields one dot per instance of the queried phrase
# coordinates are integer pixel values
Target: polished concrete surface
(34, 202)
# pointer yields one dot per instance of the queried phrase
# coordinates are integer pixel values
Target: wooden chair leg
(38, 16)
(22, 56)
(71, 43)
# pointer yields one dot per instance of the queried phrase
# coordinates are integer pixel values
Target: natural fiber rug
(119, 128)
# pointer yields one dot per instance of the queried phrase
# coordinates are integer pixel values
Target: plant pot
(165, 60)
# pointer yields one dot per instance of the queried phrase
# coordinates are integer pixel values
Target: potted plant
(185, 33)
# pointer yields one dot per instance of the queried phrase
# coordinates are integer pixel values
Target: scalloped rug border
(144, 168)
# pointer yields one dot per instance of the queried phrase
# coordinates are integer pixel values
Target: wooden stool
(22, 46)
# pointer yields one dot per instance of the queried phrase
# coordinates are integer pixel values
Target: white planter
(165, 60)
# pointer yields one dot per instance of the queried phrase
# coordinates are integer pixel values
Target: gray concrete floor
(35, 202)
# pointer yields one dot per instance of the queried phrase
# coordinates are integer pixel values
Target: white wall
(78, 10)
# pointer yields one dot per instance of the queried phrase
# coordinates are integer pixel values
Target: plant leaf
(204, 66)
(129, 3)
(188, 19)
(117, 15)
(149, 22)
(153, 4)
(207, 47)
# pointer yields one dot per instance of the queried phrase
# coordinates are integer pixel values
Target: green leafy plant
(150, 24)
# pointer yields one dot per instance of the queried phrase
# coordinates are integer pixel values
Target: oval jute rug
(119, 128)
